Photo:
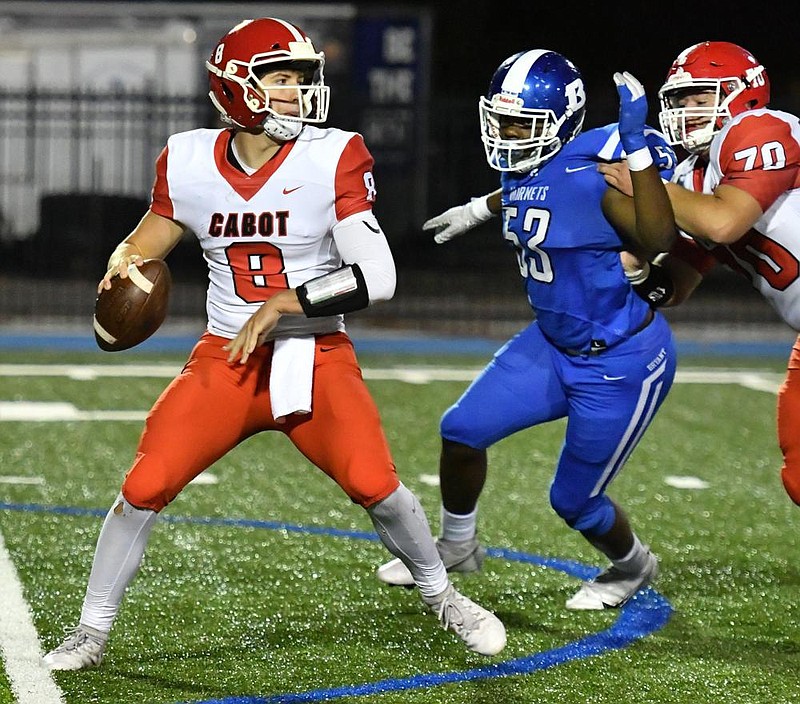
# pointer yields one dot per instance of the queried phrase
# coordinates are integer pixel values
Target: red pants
(789, 425)
(212, 406)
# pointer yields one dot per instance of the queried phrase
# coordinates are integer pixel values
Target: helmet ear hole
(227, 92)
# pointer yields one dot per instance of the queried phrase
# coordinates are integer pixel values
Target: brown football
(133, 308)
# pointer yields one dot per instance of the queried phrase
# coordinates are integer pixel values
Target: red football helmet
(244, 54)
(737, 81)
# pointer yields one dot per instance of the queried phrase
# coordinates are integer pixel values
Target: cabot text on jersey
(248, 224)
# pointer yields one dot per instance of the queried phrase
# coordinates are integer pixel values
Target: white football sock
(119, 552)
(404, 530)
(458, 527)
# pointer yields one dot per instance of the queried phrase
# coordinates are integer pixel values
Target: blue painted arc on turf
(646, 613)
(643, 615)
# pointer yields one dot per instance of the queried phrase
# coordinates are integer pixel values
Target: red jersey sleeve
(355, 185)
(160, 202)
(761, 156)
(687, 250)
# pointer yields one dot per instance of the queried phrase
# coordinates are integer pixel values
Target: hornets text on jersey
(568, 252)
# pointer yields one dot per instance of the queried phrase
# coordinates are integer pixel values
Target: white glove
(459, 219)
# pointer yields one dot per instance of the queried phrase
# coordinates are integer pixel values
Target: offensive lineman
(737, 198)
(283, 213)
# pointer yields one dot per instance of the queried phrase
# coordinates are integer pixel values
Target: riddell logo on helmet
(508, 99)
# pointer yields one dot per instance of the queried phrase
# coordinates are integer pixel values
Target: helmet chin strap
(699, 140)
(697, 144)
(282, 130)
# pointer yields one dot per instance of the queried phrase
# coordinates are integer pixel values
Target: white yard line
(685, 482)
(59, 411)
(749, 378)
(19, 642)
(91, 371)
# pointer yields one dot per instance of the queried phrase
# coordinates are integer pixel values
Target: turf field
(258, 583)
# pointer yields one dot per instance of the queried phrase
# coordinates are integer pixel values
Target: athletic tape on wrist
(640, 159)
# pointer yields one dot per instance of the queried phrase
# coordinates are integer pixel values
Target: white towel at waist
(291, 376)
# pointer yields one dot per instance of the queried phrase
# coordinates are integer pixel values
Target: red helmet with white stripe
(731, 80)
(242, 57)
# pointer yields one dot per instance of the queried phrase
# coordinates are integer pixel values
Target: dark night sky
(471, 39)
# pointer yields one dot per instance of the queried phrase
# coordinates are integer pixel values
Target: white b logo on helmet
(576, 94)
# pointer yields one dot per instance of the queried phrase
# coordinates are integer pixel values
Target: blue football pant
(608, 400)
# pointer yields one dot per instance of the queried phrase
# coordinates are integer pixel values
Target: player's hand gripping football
(122, 257)
(632, 112)
(458, 220)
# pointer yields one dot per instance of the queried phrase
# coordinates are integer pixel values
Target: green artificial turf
(233, 610)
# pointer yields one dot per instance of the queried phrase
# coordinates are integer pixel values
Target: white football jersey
(757, 151)
(268, 231)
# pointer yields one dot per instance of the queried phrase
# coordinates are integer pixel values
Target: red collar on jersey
(246, 186)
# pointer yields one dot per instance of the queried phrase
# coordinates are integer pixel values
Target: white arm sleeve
(361, 241)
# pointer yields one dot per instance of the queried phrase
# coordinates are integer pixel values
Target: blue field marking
(643, 615)
(365, 344)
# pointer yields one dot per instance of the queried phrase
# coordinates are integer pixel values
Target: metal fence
(77, 143)
(75, 176)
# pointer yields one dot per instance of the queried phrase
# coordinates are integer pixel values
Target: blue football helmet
(539, 89)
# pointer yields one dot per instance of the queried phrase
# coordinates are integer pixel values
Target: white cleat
(481, 630)
(457, 556)
(82, 648)
(612, 589)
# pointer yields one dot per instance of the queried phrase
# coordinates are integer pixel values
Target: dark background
(474, 278)
(471, 39)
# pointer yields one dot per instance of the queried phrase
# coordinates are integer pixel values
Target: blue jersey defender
(596, 353)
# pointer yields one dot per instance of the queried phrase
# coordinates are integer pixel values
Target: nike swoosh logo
(369, 227)
(326, 349)
(572, 170)
(287, 191)
(613, 378)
